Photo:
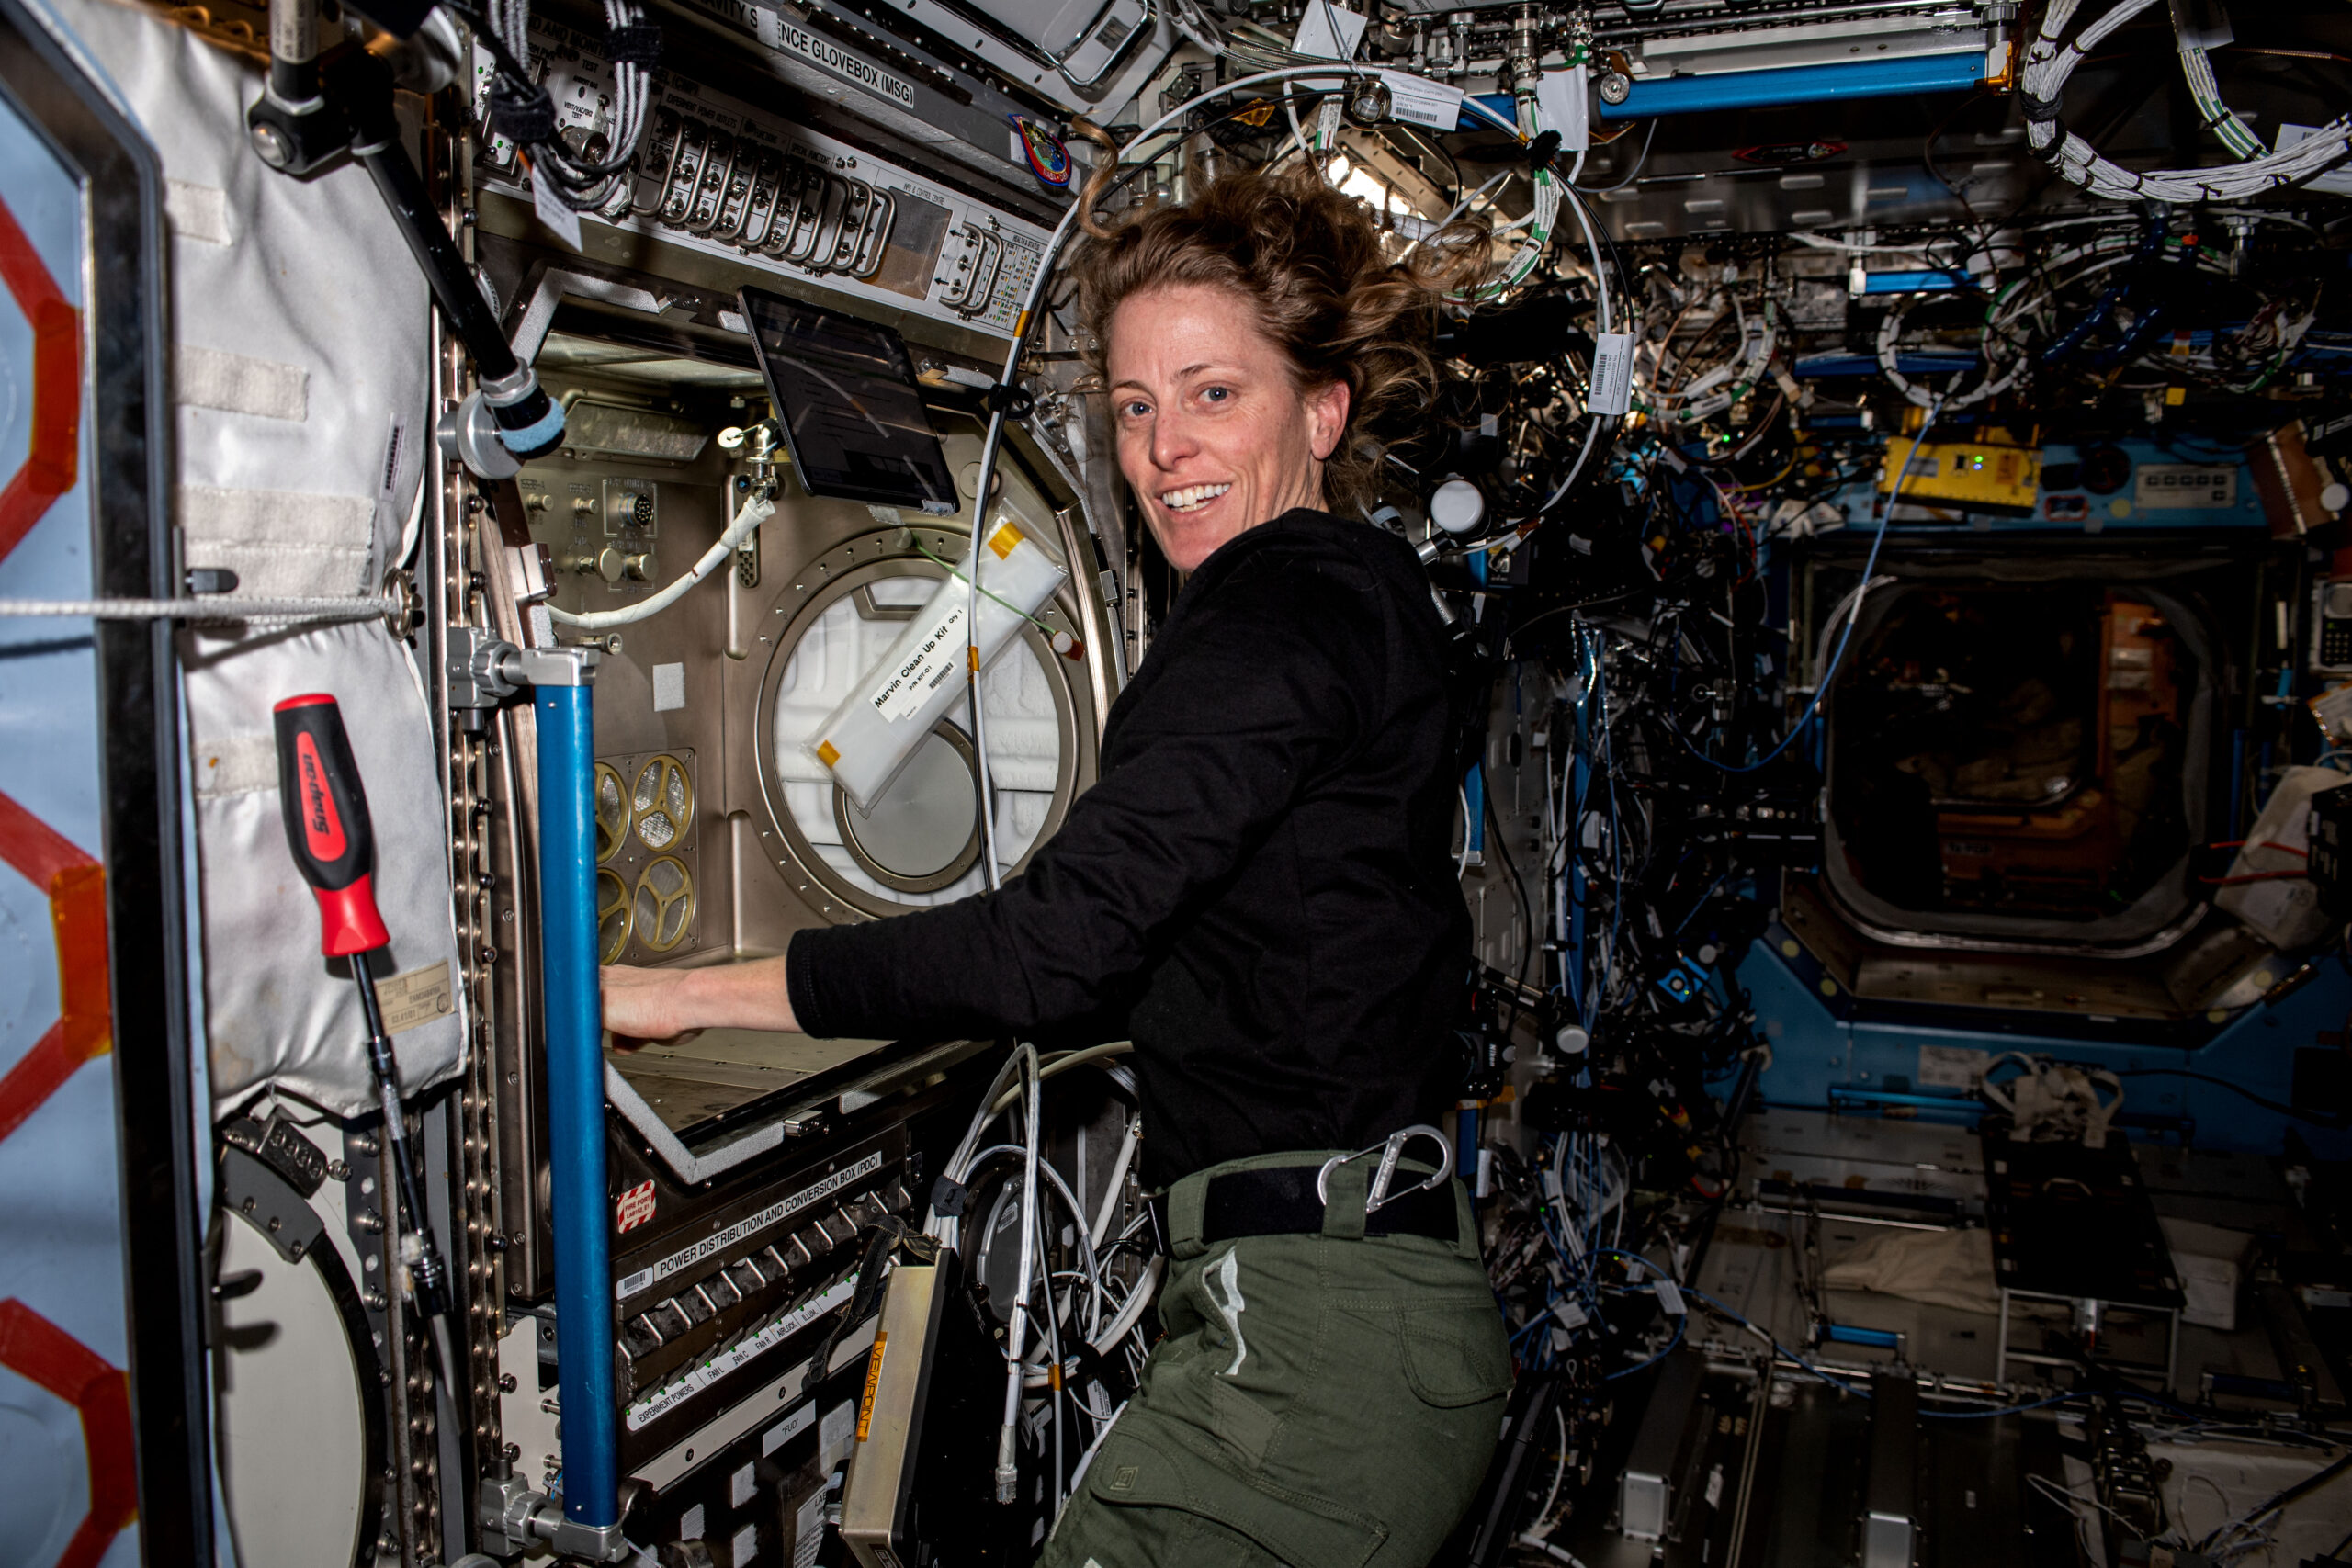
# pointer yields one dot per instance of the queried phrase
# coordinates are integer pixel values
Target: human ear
(1327, 418)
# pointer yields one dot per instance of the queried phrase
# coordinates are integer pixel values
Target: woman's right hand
(643, 1006)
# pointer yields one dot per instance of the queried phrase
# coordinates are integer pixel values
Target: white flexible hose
(1008, 1474)
(756, 508)
(1127, 1316)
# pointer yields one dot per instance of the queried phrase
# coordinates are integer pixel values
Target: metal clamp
(1377, 1196)
(513, 1517)
(485, 670)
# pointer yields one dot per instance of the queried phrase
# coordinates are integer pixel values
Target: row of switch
(762, 199)
(751, 1279)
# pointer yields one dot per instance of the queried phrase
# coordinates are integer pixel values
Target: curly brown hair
(1308, 262)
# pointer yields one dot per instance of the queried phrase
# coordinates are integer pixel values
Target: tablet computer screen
(852, 414)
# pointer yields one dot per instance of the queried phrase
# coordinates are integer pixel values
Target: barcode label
(1612, 372)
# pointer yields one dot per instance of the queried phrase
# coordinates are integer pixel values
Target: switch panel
(719, 175)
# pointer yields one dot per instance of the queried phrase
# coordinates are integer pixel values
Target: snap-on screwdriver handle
(326, 823)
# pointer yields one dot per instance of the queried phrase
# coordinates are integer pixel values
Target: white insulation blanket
(299, 368)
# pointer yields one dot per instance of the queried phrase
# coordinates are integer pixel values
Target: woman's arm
(660, 1004)
(1275, 680)
(1267, 685)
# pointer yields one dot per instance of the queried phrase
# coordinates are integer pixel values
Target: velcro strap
(1540, 152)
(949, 1197)
(2037, 109)
(638, 43)
(522, 113)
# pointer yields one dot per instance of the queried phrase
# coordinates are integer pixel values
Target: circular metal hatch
(921, 844)
(924, 833)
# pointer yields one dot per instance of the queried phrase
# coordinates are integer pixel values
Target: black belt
(1281, 1200)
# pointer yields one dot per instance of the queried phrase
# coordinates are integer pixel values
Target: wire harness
(2042, 86)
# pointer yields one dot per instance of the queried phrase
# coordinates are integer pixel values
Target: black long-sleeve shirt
(1260, 875)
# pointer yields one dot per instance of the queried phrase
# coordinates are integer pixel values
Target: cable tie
(950, 1196)
(1016, 401)
(1541, 151)
(522, 112)
(636, 44)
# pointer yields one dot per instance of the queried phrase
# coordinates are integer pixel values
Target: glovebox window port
(2027, 760)
(2018, 758)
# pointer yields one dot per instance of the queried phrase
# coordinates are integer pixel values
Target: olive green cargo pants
(1325, 1401)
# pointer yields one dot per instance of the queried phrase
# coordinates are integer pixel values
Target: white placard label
(552, 211)
(1612, 372)
(904, 690)
(2183, 485)
(1328, 31)
(1951, 1066)
(788, 1429)
(1417, 100)
(416, 998)
(750, 1226)
(809, 1529)
(779, 33)
(1668, 1296)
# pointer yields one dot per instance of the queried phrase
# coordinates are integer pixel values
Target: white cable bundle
(588, 187)
(2220, 119)
(1890, 334)
(1707, 395)
(1057, 1318)
(1539, 222)
(2043, 84)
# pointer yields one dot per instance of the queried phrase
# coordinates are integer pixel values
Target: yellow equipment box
(1972, 475)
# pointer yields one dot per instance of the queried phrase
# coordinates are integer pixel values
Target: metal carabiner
(1390, 1150)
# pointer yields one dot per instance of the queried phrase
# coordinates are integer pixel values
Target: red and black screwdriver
(328, 830)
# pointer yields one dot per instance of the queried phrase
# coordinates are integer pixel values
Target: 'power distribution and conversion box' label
(750, 1226)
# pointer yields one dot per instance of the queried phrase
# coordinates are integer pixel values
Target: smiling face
(1215, 434)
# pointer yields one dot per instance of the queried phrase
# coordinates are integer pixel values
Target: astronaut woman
(1260, 887)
